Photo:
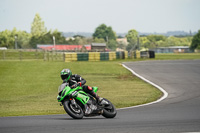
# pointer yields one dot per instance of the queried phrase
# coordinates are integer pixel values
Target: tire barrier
(82, 57)
(112, 55)
(147, 54)
(95, 56)
(71, 57)
(141, 54)
(104, 56)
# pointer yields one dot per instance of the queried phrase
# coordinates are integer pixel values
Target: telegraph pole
(54, 42)
(138, 42)
(15, 42)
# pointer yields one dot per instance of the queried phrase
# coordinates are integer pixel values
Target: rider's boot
(99, 99)
(103, 102)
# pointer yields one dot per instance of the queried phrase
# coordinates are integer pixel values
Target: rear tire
(76, 113)
(109, 111)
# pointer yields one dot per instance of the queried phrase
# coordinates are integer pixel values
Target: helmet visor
(66, 76)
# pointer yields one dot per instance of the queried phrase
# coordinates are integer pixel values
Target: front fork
(72, 101)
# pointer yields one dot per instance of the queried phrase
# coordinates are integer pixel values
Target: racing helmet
(65, 74)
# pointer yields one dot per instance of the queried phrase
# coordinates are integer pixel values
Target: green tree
(105, 33)
(132, 38)
(37, 27)
(144, 42)
(102, 31)
(156, 40)
(195, 41)
(23, 39)
(121, 44)
(99, 40)
(48, 38)
(178, 41)
(172, 41)
(112, 44)
(60, 39)
(185, 41)
(8, 38)
(79, 40)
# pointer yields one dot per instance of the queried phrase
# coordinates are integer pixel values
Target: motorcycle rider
(76, 80)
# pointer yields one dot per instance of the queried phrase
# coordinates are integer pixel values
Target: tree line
(102, 34)
(38, 35)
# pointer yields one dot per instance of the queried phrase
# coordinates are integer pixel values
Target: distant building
(119, 49)
(122, 41)
(94, 47)
(98, 47)
(3, 48)
(173, 49)
(64, 47)
(69, 38)
(87, 47)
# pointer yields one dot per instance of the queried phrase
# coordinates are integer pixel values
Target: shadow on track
(71, 119)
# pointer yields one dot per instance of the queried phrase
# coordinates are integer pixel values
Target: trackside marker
(165, 94)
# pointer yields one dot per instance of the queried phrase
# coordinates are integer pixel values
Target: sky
(149, 16)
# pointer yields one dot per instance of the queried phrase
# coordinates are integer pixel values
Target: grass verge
(178, 56)
(30, 87)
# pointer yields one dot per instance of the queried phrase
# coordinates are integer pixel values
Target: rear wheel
(109, 110)
(75, 112)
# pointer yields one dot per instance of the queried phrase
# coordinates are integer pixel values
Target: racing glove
(75, 85)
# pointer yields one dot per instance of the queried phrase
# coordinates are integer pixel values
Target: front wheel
(109, 111)
(75, 112)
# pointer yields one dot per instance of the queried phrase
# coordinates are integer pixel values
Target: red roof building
(64, 47)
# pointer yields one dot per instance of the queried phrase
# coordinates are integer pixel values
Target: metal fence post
(36, 54)
(20, 55)
(48, 55)
(63, 57)
(4, 55)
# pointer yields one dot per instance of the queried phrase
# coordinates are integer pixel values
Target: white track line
(165, 94)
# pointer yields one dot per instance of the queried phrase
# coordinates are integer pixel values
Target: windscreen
(61, 87)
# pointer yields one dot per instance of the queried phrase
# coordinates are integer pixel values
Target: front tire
(76, 113)
(110, 110)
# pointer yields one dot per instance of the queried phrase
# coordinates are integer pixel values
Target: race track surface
(179, 112)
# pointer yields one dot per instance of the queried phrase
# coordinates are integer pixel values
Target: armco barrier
(95, 56)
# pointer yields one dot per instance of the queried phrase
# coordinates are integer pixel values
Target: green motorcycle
(75, 102)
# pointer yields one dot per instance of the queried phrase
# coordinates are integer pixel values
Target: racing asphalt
(179, 112)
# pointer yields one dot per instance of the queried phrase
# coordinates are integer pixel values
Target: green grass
(25, 55)
(30, 87)
(168, 56)
(177, 56)
(12, 54)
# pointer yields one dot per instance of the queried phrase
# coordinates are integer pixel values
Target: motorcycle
(75, 102)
